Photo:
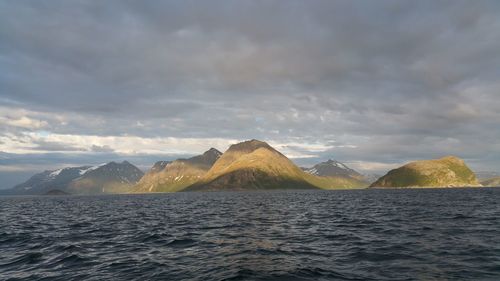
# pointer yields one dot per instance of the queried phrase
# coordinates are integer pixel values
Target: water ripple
(282, 235)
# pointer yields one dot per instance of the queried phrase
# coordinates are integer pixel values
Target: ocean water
(437, 234)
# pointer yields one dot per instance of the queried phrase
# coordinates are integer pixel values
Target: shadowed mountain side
(105, 178)
(109, 178)
(448, 171)
(43, 182)
(250, 179)
(332, 168)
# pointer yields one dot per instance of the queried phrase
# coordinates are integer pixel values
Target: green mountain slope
(336, 182)
(448, 171)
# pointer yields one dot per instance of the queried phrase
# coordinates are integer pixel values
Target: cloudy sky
(370, 83)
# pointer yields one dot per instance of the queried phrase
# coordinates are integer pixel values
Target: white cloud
(22, 122)
(44, 142)
(187, 77)
(373, 166)
(28, 142)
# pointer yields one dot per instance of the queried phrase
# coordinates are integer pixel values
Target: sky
(373, 84)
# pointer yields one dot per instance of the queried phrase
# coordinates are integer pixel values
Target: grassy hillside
(448, 171)
(336, 182)
(176, 176)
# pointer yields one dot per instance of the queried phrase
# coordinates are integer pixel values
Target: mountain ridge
(333, 168)
(172, 176)
(109, 177)
(112, 177)
(248, 165)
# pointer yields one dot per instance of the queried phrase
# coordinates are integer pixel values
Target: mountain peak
(249, 146)
(207, 158)
(112, 177)
(452, 158)
(159, 165)
(252, 164)
(333, 168)
(113, 164)
(212, 151)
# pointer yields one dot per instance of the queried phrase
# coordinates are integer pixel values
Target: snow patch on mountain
(55, 173)
(84, 171)
(332, 168)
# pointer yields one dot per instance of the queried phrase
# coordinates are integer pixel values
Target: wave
(254, 236)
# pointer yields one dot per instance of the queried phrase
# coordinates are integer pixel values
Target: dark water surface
(286, 235)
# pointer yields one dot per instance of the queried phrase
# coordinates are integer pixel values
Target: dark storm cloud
(389, 80)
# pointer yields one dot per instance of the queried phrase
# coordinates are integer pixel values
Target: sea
(409, 234)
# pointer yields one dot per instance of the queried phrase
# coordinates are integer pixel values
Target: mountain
(251, 165)
(173, 176)
(492, 182)
(448, 171)
(255, 165)
(56, 179)
(332, 168)
(106, 178)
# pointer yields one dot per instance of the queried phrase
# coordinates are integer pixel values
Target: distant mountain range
(48, 180)
(105, 178)
(249, 165)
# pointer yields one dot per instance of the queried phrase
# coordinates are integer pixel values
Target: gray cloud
(101, 148)
(390, 80)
